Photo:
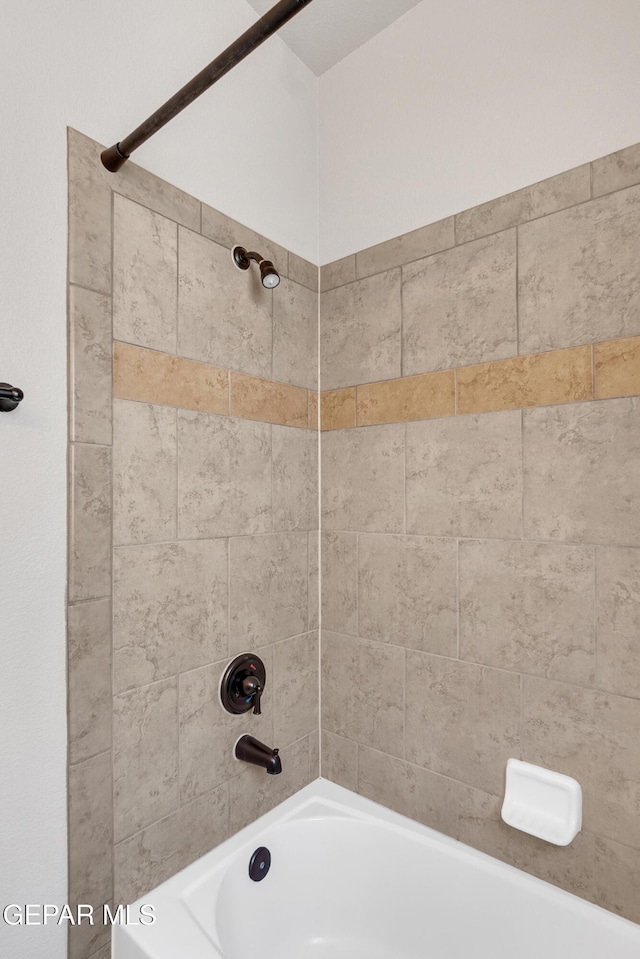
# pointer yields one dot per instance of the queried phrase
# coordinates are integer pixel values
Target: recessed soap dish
(543, 803)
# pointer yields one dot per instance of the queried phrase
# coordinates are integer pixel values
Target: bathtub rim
(332, 801)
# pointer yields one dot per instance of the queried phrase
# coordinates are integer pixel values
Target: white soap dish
(543, 803)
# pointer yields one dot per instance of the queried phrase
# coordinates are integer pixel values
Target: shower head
(268, 274)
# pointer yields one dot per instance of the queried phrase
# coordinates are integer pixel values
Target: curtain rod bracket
(113, 159)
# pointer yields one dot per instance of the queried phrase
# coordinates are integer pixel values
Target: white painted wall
(100, 67)
(461, 101)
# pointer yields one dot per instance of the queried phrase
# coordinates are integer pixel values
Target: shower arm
(116, 156)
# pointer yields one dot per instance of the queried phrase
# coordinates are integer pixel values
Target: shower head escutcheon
(268, 274)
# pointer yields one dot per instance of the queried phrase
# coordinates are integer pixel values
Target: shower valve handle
(252, 688)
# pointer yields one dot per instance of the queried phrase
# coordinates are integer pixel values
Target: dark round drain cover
(260, 864)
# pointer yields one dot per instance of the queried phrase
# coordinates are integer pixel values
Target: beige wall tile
(87, 941)
(304, 272)
(150, 857)
(619, 620)
(151, 377)
(363, 692)
(89, 215)
(170, 610)
(338, 273)
(593, 737)
(339, 558)
(363, 479)
(360, 331)
(268, 402)
(540, 199)
(208, 733)
(314, 755)
(338, 409)
(579, 462)
(314, 578)
(89, 679)
(339, 760)
(144, 473)
(481, 826)
(295, 335)
(268, 589)
(295, 479)
(408, 398)
(224, 476)
(410, 790)
(578, 274)
(224, 314)
(90, 366)
(145, 266)
(254, 793)
(464, 476)
(229, 233)
(407, 592)
(145, 756)
(562, 376)
(143, 187)
(459, 307)
(90, 522)
(617, 368)
(616, 869)
(406, 248)
(616, 171)
(91, 826)
(104, 953)
(295, 688)
(529, 607)
(476, 713)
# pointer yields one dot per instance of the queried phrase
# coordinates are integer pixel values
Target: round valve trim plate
(232, 695)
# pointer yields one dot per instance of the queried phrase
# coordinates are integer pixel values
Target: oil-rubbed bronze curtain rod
(116, 156)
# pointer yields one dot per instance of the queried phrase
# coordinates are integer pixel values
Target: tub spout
(250, 750)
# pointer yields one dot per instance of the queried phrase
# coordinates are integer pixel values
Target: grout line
(480, 236)
(517, 291)
(404, 705)
(522, 473)
(406, 442)
(458, 598)
(402, 373)
(89, 289)
(596, 631)
(112, 558)
(89, 759)
(319, 534)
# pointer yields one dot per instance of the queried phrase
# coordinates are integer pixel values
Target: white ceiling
(327, 31)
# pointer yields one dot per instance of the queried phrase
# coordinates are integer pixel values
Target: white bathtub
(352, 880)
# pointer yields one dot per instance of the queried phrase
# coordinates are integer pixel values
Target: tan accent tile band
(269, 402)
(617, 368)
(520, 382)
(152, 377)
(543, 379)
(419, 397)
(149, 376)
(338, 409)
(313, 410)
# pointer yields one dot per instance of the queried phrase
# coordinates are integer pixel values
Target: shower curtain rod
(116, 156)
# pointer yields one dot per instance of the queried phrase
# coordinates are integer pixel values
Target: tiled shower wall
(481, 519)
(193, 533)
